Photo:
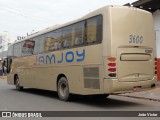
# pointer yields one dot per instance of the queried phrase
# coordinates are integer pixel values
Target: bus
(111, 50)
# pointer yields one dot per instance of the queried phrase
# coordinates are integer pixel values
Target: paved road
(32, 99)
(41, 100)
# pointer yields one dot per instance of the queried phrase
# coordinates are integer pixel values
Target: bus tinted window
(53, 40)
(91, 30)
(17, 49)
(78, 33)
(27, 47)
(67, 37)
(39, 44)
(99, 28)
(94, 29)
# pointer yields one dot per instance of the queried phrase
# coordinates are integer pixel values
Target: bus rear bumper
(113, 86)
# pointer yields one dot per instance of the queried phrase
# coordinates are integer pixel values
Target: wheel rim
(63, 89)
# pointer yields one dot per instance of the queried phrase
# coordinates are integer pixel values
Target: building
(153, 6)
(4, 43)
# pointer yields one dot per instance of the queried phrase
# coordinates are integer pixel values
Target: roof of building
(149, 5)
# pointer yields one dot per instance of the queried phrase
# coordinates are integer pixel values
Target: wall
(156, 18)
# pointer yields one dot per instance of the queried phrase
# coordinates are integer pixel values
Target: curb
(140, 97)
(147, 95)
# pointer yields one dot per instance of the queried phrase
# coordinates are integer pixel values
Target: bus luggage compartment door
(135, 64)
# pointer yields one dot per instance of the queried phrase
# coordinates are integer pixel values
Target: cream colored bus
(108, 51)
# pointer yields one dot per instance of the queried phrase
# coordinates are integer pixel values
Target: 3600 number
(138, 39)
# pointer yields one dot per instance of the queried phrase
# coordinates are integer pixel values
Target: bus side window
(39, 42)
(91, 30)
(57, 45)
(94, 29)
(53, 40)
(67, 37)
(17, 49)
(28, 47)
(99, 28)
(78, 41)
(66, 43)
(79, 34)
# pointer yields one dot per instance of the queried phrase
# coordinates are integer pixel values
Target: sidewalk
(153, 94)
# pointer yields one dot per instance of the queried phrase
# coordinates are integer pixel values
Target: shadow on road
(110, 102)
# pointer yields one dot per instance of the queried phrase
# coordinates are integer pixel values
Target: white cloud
(21, 16)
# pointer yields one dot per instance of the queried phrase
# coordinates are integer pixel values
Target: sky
(19, 17)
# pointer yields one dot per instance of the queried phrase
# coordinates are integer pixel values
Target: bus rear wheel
(63, 89)
(17, 84)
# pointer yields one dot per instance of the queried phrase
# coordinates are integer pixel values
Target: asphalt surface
(42, 100)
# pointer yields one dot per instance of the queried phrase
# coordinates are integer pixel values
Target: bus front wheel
(17, 84)
(63, 89)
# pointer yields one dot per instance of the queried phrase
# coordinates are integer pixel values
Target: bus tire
(63, 89)
(17, 84)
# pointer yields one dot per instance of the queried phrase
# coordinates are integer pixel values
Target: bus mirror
(5, 62)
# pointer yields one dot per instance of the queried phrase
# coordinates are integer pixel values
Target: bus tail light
(155, 66)
(111, 64)
(111, 67)
(112, 59)
(112, 70)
